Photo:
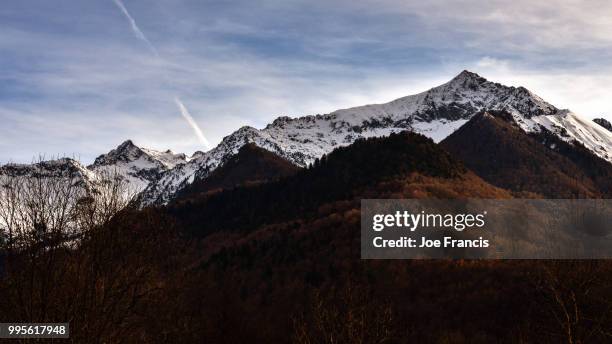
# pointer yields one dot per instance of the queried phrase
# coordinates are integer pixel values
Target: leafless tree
(575, 298)
(352, 317)
(44, 209)
(70, 254)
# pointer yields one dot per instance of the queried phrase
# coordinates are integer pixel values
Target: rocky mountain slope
(139, 166)
(604, 123)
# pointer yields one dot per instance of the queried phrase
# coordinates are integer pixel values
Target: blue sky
(75, 79)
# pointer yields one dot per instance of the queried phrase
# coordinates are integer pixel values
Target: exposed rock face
(604, 123)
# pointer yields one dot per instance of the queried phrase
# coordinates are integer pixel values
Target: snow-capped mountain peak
(457, 99)
(139, 166)
(128, 152)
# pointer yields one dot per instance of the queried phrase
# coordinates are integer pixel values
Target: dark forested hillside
(280, 251)
(252, 165)
(280, 262)
(345, 173)
(502, 154)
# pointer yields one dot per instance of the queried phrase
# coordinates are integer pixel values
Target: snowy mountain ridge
(435, 113)
(63, 167)
(139, 166)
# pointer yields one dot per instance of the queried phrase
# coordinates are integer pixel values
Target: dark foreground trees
(347, 315)
(77, 253)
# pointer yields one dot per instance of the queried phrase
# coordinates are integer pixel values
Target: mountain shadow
(369, 168)
(252, 165)
(501, 153)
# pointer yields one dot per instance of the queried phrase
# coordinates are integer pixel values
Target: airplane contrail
(182, 108)
(185, 113)
(137, 32)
